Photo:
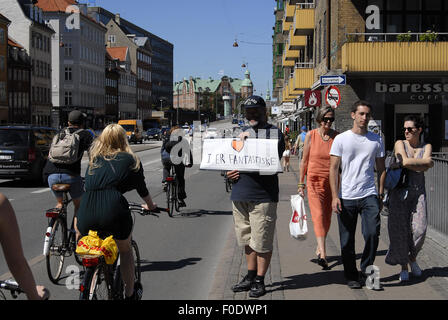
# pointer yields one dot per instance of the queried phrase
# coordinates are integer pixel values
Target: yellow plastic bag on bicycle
(92, 244)
(109, 250)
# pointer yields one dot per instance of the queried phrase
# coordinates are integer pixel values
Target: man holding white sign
(255, 195)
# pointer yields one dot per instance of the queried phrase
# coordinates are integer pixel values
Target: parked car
(24, 151)
(211, 133)
(153, 133)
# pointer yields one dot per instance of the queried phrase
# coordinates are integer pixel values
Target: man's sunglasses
(409, 129)
(326, 119)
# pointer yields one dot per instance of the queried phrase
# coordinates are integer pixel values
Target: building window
(111, 38)
(68, 74)
(68, 98)
(68, 49)
(2, 36)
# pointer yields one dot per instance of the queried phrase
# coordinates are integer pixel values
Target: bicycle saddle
(60, 187)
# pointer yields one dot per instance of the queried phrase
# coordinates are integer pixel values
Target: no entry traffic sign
(333, 96)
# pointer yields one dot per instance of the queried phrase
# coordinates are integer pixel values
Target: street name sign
(251, 155)
(333, 80)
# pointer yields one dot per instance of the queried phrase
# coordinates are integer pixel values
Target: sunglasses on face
(328, 119)
(409, 129)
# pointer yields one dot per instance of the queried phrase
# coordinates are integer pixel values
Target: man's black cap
(254, 102)
(76, 117)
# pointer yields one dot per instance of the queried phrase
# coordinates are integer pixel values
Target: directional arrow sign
(333, 80)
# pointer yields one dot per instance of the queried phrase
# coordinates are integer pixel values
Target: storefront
(395, 97)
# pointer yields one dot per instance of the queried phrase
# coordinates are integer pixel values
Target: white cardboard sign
(252, 155)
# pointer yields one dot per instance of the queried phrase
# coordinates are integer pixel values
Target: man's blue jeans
(369, 210)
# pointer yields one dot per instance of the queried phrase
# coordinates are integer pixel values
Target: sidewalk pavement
(295, 275)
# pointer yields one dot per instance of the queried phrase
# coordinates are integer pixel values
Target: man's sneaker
(415, 269)
(257, 290)
(244, 285)
(404, 276)
(182, 204)
(165, 186)
(353, 284)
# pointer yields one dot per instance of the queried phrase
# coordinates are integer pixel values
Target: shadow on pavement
(167, 265)
(196, 213)
(426, 273)
(310, 280)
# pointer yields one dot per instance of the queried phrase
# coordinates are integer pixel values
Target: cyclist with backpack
(64, 159)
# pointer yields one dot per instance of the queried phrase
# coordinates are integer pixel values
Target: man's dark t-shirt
(73, 169)
(251, 186)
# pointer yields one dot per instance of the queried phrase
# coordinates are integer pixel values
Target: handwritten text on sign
(233, 154)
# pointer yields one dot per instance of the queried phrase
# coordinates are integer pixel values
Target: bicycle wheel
(174, 199)
(169, 187)
(137, 262)
(100, 287)
(56, 254)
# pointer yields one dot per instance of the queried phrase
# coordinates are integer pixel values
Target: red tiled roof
(55, 5)
(118, 52)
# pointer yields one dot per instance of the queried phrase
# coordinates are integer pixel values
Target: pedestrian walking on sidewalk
(286, 156)
(254, 198)
(300, 142)
(407, 203)
(356, 152)
(315, 167)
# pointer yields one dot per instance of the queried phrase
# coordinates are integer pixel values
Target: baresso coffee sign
(429, 92)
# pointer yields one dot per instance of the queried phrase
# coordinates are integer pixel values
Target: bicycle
(103, 281)
(171, 192)
(12, 287)
(59, 242)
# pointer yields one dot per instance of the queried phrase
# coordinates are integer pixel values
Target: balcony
(288, 13)
(303, 77)
(289, 56)
(382, 56)
(295, 42)
(303, 23)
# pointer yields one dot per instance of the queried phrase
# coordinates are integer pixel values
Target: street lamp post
(177, 110)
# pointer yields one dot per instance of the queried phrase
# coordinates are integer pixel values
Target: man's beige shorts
(255, 224)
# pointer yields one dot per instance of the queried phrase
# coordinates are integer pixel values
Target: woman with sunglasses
(407, 203)
(315, 166)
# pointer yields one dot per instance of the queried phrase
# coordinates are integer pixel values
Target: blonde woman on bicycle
(113, 170)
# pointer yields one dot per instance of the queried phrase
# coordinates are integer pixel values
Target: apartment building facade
(393, 54)
(19, 84)
(127, 83)
(161, 58)
(4, 23)
(29, 28)
(78, 73)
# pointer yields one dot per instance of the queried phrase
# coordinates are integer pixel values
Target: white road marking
(42, 190)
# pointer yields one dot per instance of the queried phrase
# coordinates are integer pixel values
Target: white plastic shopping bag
(297, 225)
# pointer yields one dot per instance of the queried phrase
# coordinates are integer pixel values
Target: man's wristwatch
(381, 196)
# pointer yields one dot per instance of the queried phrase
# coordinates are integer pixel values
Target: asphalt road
(180, 255)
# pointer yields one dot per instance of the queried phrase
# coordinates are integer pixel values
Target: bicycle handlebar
(10, 285)
(136, 207)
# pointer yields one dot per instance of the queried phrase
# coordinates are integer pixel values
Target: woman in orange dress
(315, 166)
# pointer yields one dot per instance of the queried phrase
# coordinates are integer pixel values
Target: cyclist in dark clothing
(113, 170)
(56, 173)
(168, 144)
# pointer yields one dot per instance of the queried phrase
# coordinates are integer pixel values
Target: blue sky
(203, 31)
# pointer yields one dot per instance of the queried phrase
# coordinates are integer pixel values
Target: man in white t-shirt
(356, 152)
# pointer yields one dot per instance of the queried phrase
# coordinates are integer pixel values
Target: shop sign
(415, 92)
(312, 98)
